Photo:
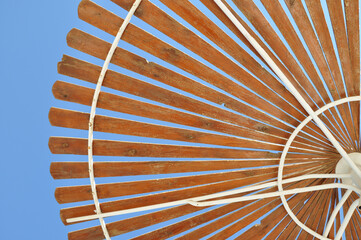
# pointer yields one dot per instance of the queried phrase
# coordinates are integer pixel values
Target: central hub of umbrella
(347, 170)
(343, 167)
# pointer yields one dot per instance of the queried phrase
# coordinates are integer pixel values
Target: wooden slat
(151, 14)
(315, 216)
(267, 224)
(213, 7)
(76, 68)
(99, 48)
(85, 71)
(293, 229)
(284, 25)
(109, 190)
(89, 12)
(131, 224)
(307, 214)
(66, 170)
(304, 25)
(187, 224)
(323, 218)
(259, 210)
(78, 146)
(338, 24)
(220, 223)
(339, 29)
(255, 16)
(79, 120)
(250, 10)
(175, 195)
(73, 93)
(353, 37)
(284, 218)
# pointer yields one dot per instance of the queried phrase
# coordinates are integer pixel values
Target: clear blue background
(32, 42)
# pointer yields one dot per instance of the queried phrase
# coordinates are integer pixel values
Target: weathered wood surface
(79, 120)
(82, 95)
(117, 228)
(177, 194)
(229, 128)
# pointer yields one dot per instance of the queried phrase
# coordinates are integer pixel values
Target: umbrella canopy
(211, 119)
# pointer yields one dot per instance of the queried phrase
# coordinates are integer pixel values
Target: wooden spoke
(194, 100)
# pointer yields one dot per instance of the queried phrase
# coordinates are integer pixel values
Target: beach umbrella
(210, 119)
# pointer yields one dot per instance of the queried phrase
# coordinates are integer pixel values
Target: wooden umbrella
(218, 119)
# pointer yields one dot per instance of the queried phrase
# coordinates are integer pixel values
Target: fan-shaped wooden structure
(218, 119)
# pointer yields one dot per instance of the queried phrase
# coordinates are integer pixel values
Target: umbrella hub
(343, 167)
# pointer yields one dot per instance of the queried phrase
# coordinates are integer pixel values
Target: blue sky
(32, 42)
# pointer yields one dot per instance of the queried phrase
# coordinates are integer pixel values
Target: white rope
(92, 115)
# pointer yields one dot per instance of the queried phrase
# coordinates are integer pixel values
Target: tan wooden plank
(78, 120)
(74, 93)
(255, 16)
(323, 218)
(269, 222)
(293, 229)
(66, 170)
(89, 12)
(339, 29)
(99, 48)
(135, 223)
(315, 218)
(250, 10)
(109, 190)
(353, 37)
(130, 224)
(175, 195)
(304, 25)
(85, 71)
(275, 232)
(187, 224)
(256, 209)
(78, 146)
(197, 19)
(89, 72)
(213, 7)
